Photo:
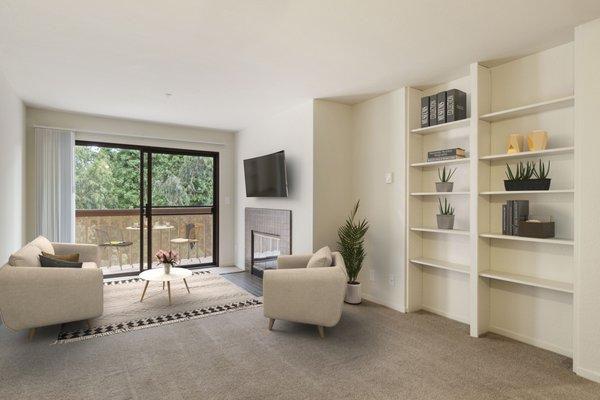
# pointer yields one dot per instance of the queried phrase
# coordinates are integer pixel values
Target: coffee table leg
(163, 285)
(186, 285)
(144, 292)
(169, 289)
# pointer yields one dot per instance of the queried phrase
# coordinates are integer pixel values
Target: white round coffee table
(158, 275)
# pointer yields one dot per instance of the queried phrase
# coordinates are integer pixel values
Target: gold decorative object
(515, 143)
(537, 140)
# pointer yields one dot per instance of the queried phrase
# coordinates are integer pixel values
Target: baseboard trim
(393, 306)
(532, 341)
(588, 374)
(445, 314)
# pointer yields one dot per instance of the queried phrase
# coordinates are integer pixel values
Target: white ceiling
(229, 63)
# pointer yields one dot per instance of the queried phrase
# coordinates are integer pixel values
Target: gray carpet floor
(373, 353)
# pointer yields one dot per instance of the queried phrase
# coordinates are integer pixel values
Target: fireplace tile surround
(269, 221)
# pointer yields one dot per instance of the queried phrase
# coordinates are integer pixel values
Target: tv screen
(266, 176)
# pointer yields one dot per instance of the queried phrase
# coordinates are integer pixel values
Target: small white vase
(167, 268)
(353, 293)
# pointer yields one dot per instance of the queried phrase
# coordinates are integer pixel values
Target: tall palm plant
(351, 244)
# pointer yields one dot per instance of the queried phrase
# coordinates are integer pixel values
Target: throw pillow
(54, 263)
(63, 257)
(322, 258)
(43, 244)
(26, 257)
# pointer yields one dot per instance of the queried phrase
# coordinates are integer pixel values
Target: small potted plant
(352, 248)
(445, 218)
(168, 259)
(542, 182)
(445, 185)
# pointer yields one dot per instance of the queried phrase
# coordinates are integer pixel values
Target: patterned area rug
(210, 294)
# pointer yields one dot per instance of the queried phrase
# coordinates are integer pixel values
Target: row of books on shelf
(446, 154)
(516, 221)
(447, 106)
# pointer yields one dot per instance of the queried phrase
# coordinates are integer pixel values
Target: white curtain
(55, 184)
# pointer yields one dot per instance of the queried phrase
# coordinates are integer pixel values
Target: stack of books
(513, 212)
(445, 154)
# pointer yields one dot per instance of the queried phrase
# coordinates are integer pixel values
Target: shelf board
(567, 242)
(528, 280)
(436, 230)
(441, 264)
(439, 193)
(442, 127)
(437, 163)
(503, 192)
(529, 109)
(525, 154)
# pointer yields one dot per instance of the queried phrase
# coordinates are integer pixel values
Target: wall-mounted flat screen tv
(266, 176)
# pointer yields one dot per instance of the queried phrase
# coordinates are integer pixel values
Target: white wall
(333, 160)
(378, 148)
(12, 171)
(149, 134)
(291, 131)
(587, 234)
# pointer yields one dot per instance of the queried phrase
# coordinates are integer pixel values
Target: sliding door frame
(148, 210)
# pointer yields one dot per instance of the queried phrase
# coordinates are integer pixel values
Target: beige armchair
(296, 293)
(32, 296)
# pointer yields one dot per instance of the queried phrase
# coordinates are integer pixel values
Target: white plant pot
(167, 268)
(353, 293)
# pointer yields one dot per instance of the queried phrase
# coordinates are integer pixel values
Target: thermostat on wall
(389, 177)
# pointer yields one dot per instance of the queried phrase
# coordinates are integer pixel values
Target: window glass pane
(182, 180)
(106, 178)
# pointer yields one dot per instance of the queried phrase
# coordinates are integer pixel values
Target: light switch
(389, 177)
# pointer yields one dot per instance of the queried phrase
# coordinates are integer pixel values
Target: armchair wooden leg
(31, 334)
(88, 323)
(321, 331)
(271, 322)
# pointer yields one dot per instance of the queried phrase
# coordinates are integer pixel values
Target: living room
(263, 200)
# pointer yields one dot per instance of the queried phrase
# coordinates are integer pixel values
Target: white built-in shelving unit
(515, 286)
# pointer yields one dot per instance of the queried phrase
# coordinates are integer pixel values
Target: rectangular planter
(529, 184)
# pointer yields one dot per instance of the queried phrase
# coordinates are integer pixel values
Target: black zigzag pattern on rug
(135, 280)
(82, 334)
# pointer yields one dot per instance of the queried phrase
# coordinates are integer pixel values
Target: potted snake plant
(352, 248)
(445, 218)
(445, 185)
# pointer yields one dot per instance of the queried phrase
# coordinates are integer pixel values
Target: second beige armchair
(304, 290)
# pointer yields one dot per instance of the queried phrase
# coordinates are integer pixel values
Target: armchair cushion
(321, 259)
(27, 256)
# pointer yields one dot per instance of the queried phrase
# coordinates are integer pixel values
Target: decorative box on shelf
(536, 229)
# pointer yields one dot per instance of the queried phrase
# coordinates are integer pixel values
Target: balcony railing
(118, 234)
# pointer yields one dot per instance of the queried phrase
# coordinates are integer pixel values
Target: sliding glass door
(134, 200)
(182, 211)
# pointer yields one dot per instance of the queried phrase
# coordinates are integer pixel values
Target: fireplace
(268, 235)
(264, 249)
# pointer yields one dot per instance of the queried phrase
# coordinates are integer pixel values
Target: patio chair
(190, 239)
(109, 237)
